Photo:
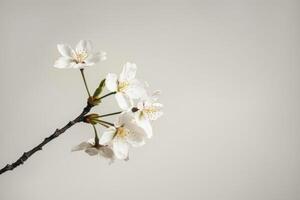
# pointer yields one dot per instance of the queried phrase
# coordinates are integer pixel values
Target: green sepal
(99, 90)
(91, 118)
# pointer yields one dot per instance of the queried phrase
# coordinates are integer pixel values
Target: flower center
(122, 132)
(122, 86)
(150, 110)
(79, 57)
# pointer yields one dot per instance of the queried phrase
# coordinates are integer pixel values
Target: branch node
(25, 155)
(56, 133)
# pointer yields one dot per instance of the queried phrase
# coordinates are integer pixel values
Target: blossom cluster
(138, 107)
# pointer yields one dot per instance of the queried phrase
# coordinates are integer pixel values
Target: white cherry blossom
(126, 86)
(90, 148)
(147, 110)
(80, 57)
(125, 134)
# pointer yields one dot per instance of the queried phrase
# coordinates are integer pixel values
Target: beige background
(229, 72)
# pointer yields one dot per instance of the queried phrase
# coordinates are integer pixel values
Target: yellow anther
(122, 132)
(122, 86)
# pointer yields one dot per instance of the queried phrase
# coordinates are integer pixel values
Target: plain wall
(229, 73)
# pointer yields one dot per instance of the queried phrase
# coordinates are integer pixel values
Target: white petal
(128, 72)
(157, 105)
(137, 135)
(106, 152)
(125, 118)
(107, 136)
(120, 120)
(136, 139)
(145, 124)
(92, 59)
(81, 146)
(63, 62)
(91, 141)
(135, 90)
(65, 50)
(92, 151)
(155, 95)
(120, 147)
(103, 56)
(123, 102)
(111, 82)
(79, 65)
(84, 46)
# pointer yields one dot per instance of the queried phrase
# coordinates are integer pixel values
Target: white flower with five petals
(80, 57)
(90, 148)
(147, 110)
(125, 134)
(127, 87)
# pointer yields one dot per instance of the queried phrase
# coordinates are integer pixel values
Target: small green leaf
(99, 90)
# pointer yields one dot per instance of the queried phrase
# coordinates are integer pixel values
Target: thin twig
(115, 113)
(106, 126)
(84, 80)
(96, 135)
(57, 133)
(105, 122)
(111, 93)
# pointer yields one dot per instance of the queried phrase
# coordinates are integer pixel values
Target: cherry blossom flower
(127, 87)
(125, 134)
(90, 148)
(147, 110)
(80, 57)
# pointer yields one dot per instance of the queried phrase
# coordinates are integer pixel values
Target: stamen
(122, 86)
(122, 132)
(79, 57)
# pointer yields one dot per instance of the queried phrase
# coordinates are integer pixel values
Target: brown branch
(57, 133)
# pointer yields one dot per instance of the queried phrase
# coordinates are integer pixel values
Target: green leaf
(99, 90)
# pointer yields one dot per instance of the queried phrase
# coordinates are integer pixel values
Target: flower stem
(106, 126)
(111, 93)
(96, 135)
(83, 77)
(115, 113)
(104, 122)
